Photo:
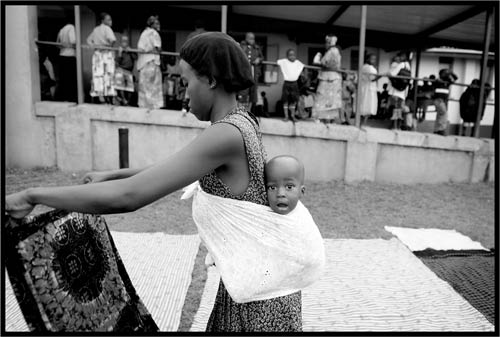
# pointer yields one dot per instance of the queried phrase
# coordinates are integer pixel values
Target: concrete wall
(85, 137)
(28, 139)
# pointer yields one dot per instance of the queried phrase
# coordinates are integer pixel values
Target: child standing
(291, 69)
(348, 89)
(124, 79)
(262, 107)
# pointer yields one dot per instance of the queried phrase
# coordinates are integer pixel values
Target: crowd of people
(326, 95)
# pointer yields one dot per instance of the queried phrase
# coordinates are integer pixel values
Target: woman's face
(107, 20)
(156, 25)
(201, 96)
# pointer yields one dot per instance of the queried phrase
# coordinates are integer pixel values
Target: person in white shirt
(397, 96)
(291, 69)
(66, 88)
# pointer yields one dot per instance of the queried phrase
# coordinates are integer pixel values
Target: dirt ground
(357, 211)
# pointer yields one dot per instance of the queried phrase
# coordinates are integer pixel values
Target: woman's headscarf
(219, 57)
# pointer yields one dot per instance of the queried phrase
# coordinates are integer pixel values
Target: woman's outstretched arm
(218, 145)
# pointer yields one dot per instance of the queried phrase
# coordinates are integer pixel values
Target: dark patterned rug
(68, 276)
(470, 272)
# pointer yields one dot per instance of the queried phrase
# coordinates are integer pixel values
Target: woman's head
(153, 22)
(371, 59)
(106, 19)
(250, 38)
(330, 40)
(212, 62)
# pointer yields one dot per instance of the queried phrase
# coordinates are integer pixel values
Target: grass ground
(357, 211)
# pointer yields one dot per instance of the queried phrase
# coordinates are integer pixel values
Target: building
(277, 28)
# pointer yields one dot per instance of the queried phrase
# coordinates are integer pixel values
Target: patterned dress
(150, 76)
(328, 100)
(277, 314)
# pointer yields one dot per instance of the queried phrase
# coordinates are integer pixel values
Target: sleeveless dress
(277, 314)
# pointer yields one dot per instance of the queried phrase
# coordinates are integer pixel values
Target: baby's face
(284, 189)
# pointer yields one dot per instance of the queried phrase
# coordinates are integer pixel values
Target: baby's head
(284, 183)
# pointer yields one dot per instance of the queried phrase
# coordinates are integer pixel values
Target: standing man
(66, 89)
(254, 55)
(398, 89)
(441, 93)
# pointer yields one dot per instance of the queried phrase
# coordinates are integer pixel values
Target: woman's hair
(103, 15)
(151, 20)
(368, 56)
(218, 57)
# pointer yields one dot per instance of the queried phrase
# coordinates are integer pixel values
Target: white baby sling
(259, 254)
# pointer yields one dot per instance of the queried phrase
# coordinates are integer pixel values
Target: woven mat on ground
(373, 285)
(432, 238)
(470, 272)
(160, 267)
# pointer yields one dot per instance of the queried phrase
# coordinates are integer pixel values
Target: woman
(328, 100)
(103, 61)
(148, 65)
(368, 92)
(227, 158)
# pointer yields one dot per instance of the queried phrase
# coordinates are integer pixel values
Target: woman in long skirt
(103, 61)
(148, 65)
(368, 92)
(328, 99)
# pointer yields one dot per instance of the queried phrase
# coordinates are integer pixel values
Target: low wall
(85, 137)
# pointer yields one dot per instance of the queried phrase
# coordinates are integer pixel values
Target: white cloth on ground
(290, 70)
(439, 239)
(260, 254)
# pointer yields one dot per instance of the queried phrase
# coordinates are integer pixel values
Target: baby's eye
(271, 188)
(289, 187)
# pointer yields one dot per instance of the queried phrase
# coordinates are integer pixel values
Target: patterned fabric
(150, 86)
(124, 80)
(328, 99)
(277, 314)
(67, 275)
(103, 73)
(470, 272)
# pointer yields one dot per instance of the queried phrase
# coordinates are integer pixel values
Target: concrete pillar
(361, 161)
(23, 132)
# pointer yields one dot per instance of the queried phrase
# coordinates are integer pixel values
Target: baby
(284, 183)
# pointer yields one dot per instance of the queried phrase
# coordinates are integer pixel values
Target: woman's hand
(95, 177)
(18, 204)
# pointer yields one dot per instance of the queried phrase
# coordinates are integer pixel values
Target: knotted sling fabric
(67, 275)
(260, 254)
